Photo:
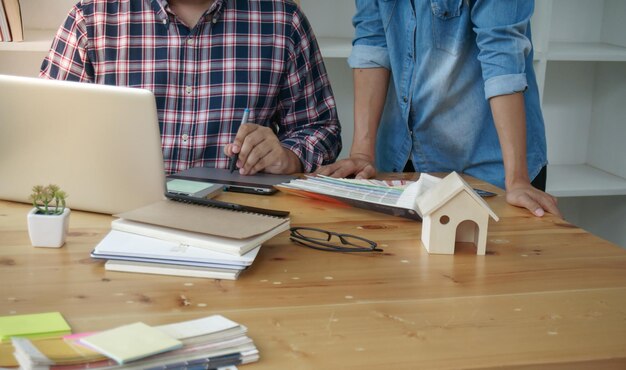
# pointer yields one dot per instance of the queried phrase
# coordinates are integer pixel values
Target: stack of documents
(394, 197)
(209, 342)
(131, 252)
(172, 238)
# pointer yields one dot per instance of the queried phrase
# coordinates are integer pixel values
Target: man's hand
(536, 201)
(358, 165)
(370, 92)
(260, 151)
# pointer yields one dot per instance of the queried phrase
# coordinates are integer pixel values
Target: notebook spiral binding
(226, 205)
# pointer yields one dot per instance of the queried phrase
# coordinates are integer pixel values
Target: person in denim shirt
(448, 85)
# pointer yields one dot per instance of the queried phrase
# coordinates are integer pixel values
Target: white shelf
(586, 51)
(34, 40)
(335, 47)
(583, 180)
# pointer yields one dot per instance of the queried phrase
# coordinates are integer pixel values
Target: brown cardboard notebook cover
(201, 219)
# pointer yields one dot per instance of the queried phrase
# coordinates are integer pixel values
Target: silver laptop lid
(101, 144)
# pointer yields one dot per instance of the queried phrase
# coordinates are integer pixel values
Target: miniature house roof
(446, 189)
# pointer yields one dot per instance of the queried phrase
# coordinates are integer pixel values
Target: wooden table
(547, 293)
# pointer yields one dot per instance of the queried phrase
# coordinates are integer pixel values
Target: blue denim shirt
(447, 58)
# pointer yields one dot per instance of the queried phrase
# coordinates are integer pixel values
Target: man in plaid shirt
(206, 61)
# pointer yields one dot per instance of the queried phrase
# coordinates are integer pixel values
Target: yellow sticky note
(131, 342)
(39, 325)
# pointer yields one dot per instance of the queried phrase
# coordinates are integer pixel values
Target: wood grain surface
(547, 294)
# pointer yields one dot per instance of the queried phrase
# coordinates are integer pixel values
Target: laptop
(101, 144)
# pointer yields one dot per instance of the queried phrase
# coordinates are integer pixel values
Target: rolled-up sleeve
(369, 47)
(501, 28)
(310, 125)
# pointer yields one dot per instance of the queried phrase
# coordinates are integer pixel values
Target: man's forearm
(510, 119)
(370, 92)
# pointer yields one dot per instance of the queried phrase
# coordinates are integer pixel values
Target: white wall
(340, 75)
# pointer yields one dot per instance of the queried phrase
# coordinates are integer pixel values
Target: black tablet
(260, 183)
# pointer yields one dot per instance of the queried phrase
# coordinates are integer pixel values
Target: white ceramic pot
(48, 230)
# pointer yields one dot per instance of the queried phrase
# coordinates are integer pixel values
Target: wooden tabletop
(547, 293)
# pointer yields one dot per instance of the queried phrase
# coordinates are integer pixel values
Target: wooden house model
(453, 212)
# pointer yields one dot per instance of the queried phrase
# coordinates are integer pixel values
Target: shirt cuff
(307, 158)
(366, 56)
(505, 85)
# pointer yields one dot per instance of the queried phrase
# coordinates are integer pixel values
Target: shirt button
(405, 99)
(165, 21)
(188, 90)
(189, 42)
(185, 137)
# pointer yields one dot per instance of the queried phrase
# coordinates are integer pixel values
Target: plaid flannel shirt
(256, 54)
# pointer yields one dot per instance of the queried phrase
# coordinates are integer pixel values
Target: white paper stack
(173, 238)
(129, 252)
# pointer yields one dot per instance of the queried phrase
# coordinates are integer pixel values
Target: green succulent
(49, 200)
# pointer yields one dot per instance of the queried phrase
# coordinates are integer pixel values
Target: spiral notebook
(206, 220)
(239, 230)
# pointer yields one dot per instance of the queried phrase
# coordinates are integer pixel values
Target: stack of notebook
(173, 238)
(209, 342)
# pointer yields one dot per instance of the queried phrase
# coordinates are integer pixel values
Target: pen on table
(235, 157)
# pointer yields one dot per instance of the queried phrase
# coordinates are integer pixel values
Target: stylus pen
(235, 158)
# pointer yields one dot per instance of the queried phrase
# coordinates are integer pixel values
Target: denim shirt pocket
(451, 24)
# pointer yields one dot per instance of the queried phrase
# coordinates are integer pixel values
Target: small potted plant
(48, 221)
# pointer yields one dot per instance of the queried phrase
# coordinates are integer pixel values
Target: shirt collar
(160, 6)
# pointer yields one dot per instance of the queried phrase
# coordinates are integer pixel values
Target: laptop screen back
(101, 144)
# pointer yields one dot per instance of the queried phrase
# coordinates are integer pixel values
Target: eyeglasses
(320, 239)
